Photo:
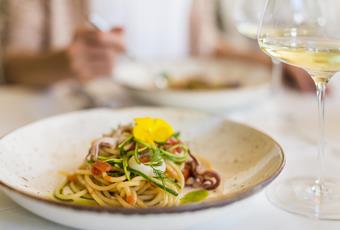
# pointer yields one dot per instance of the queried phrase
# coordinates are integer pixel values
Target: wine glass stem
(321, 91)
(277, 75)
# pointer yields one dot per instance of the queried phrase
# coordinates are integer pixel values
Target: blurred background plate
(139, 78)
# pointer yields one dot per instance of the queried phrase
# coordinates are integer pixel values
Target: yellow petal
(141, 134)
(150, 130)
(162, 131)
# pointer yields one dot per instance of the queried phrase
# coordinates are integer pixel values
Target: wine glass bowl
(305, 34)
(246, 17)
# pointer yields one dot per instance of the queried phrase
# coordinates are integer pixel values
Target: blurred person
(41, 47)
(46, 41)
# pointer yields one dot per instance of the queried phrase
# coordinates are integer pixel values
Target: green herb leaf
(159, 174)
(195, 196)
(176, 135)
(156, 157)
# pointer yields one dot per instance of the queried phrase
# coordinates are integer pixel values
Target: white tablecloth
(290, 118)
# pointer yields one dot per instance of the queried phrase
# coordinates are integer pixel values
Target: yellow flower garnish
(151, 130)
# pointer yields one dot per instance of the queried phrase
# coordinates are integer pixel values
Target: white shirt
(155, 29)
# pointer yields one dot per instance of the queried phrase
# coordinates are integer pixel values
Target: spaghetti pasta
(139, 165)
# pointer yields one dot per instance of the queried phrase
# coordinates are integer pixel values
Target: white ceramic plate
(138, 79)
(31, 157)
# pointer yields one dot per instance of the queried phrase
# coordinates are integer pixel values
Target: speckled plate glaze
(138, 79)
(31, 157)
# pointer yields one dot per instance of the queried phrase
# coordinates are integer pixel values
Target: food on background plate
(143, 164)
(195, 82)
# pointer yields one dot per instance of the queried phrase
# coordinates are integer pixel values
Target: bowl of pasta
(136, 167)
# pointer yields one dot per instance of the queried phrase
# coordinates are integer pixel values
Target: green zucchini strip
(155, 182)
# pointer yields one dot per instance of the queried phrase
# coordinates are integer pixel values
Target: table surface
(288, 117)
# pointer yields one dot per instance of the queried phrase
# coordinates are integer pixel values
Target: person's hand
(92, 52)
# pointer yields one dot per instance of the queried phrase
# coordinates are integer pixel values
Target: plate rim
(149, 211)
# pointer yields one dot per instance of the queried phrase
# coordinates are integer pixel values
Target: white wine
(311, 54)
(248, 30)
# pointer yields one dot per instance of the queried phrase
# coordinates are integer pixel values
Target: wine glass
(306, 34)
(246, 16)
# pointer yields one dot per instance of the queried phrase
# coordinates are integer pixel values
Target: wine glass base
(300, 196)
